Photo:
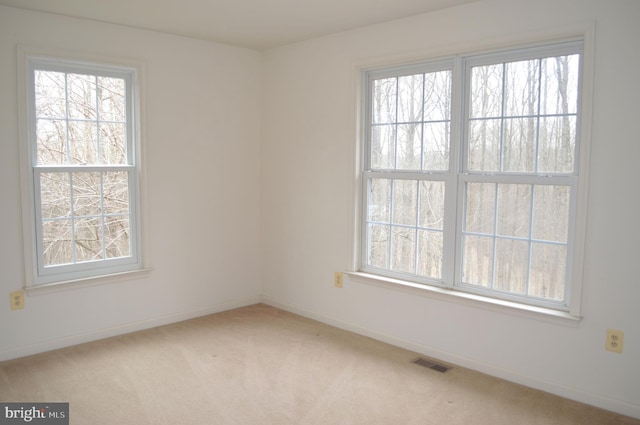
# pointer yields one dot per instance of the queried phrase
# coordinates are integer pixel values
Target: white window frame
(457, 175)
(37, 276)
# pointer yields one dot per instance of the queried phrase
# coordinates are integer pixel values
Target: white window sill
(477, 301)
(85, 282)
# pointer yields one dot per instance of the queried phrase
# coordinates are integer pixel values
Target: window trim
(582, 34)
(30, 58)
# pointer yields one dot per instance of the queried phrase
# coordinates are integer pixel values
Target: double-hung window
(471, 169)
(83, 169)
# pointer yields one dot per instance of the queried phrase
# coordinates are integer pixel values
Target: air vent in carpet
(431, 365)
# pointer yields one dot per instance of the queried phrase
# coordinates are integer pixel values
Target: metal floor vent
(431, 365)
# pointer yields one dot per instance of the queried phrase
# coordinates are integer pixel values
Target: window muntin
(513, 176)
(83, 169)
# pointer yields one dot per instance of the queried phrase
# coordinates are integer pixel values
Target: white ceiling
(256, 24)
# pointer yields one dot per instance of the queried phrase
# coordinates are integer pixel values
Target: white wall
(215, 235)
(309, 139)
(201, 118)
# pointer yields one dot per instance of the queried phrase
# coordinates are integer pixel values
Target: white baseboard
(68, 341)
(576, 394)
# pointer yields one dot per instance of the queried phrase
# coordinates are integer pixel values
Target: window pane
(548, 270)
(477, 261)
(514, 210)
(88, 239)
(560, 85)
(521, 88)
(83, 142)
(437, 96)
(379, 205)
(409, 147)
(551, 213)
(405, 202)
(383, 147)
(113, 143)
(436, 146)
(112, 96)
(116, 236)
(116, 192)
(56, 239)
(404, 249)
(410, 98)
(512, 265)
(378, 239)
(50, 94)
(431, 214)
(519, 145)
(51, 138)
(484, 145)
(87, 194)
(430, 252)
(384, 100)
(55, 195)
(82, 99)
(486, 91)
(480, 207)
(557, 144)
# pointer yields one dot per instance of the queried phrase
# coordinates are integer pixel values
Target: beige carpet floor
(260, 365)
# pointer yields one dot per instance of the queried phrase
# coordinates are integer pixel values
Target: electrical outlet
(615, 340)
(17, 300)
(337, 279)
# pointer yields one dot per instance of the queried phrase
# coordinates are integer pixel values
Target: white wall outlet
(17, 300)
(615, 340)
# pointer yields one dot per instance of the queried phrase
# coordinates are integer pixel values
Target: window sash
(442, 178)
(535, 183)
